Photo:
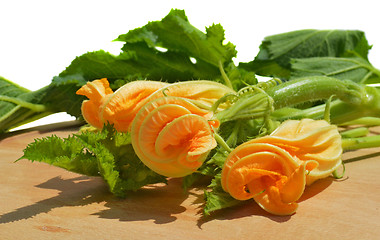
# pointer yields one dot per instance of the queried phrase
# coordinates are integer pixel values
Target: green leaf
(106, 153)
(18, 105)
(60, 95)
(276, 51)
(101, 64)
(346, 68)
(217, 198)
(68, 153)
(143, 54)
(175, 33)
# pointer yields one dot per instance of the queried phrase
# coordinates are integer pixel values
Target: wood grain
(38, 201)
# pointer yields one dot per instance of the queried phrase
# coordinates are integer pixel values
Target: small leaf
(217, 198)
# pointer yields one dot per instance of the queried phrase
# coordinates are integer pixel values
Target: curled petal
(172, 136)
(121, 108)
(204, 92)
(281, 200)
(309, 139)
(97, 92)
(262, 155)
(266, 173)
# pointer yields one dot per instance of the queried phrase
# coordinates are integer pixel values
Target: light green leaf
(348, 68)
(106, 153)
(69, 153)
(276, 51)
(217, 198)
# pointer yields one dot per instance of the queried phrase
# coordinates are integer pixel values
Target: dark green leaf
(101, 64)
(175, 33)
(276, 51)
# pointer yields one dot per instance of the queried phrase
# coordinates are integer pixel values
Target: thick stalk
(314, 88)
(355, 101)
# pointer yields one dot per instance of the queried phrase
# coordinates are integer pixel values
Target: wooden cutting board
(39, 201)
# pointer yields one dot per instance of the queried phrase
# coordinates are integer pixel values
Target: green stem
(315, 88)
(361, 142)
(355, 100)
(255, 105)
(354, 133)
(224, 75)
(365, 121)
(222, 143)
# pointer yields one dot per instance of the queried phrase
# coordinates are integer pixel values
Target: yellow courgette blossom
(273, 170)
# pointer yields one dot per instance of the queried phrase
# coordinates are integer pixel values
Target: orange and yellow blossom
(273, 170)
(172, 136)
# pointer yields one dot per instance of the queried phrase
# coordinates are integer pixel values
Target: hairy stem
(361, 142)
(354, 100)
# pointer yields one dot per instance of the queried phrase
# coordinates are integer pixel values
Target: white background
(39, 38)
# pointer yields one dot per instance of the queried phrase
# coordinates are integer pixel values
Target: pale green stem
(339, 176)
(366, 121)
(222, 143)
(354, 133)
(361, 142)
(326, 115)
(224, 75)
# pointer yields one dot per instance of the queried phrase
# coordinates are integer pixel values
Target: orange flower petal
(97, 91)
(270, 201)
(254, 166)
(249, 148)
(309, 139)
(90, 113)
(202, 91)
(121, 108)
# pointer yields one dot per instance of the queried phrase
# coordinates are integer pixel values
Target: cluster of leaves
(105, 153)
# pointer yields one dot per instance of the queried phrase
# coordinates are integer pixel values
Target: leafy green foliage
(175, 34)
(106, 153)
(356, 69)
(161, 50)
(277, 51)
